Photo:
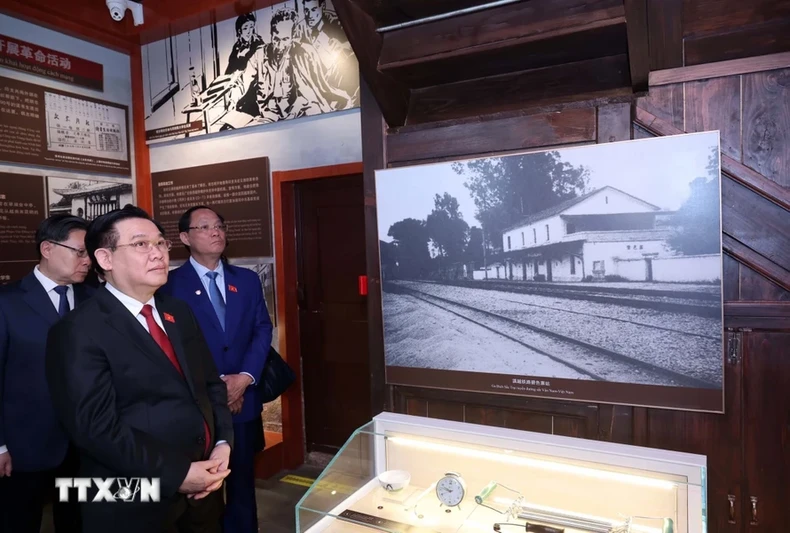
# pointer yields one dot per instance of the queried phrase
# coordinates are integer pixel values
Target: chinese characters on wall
(33, 59)
(238, 190)
(47, 127)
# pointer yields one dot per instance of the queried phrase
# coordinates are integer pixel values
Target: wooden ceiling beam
(360, 28)
(638, 43)
(605, 37)
(570, 82)
(525, 20)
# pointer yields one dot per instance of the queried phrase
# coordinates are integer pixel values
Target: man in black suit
(34, 448)
(135, 386)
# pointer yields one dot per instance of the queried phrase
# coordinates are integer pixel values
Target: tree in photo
(412, 255)
(447, 229)
(696, 225)
(507, 189)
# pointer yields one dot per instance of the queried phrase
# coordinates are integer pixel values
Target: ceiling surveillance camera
(118, 10)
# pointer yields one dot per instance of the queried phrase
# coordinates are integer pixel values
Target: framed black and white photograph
(86, 198)
(590, 273)
(287, 61)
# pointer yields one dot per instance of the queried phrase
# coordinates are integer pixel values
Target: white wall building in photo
(569, 273)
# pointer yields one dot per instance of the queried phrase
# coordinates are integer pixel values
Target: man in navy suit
(229, 306)
(34, 448)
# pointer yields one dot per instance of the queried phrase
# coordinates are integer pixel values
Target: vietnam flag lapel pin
(232, 288)
(169, 317)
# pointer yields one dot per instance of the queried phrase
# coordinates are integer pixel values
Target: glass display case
(402, 473)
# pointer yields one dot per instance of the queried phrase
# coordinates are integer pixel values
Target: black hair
(280, 16)
(57, 228)
(186, 218)
(103, 232)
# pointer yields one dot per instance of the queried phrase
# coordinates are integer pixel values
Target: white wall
(117, 82)
(609, 201)
(690, 268)
(556, 233)
(320, 140)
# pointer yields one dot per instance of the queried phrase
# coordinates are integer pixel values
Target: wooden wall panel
(666, 103)
(716, 436)
(753, 104)
(491, 136)
(766, 124)
(756, 287)
(716, 105)
(766, 432)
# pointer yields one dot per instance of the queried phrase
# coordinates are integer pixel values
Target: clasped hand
(205, 477)
(236, 384)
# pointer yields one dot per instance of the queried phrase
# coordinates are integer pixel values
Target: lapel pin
(232, 288)
(169, 317)
(197, 292)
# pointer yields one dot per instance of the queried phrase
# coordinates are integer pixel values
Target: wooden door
(766, 397)
(333, 323)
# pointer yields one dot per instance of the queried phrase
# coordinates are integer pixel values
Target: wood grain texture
(665, 103)
(144, 197)
(638, 43)
(568, 82)
(596, 39)
(758, 315)
(766, 124)
(731, 278)
(614, 123)
(496, 136)
(720, 69)
(360, 28)
(756, 182)
(445, 410)
(373, 157)
(716, 105)
(665, 28)
(615, 423)
(755, 286)
(717, 436)
(710, 16)
(757, 262)
(767, 233)
(523, 20)
(766, 430)
(769, 37)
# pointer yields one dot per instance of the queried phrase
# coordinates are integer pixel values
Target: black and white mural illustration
(86, 198)
(283, 62)
(545, 273)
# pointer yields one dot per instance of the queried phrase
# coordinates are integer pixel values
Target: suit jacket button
(225, 349)
(201, 440)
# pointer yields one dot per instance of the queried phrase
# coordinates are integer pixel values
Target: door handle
(731, 513)
(754, 511)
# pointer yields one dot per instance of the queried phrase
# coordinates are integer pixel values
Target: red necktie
(164, 342)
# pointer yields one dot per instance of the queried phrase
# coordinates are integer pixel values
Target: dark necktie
(164, 343)
(216, 298)
(63, 304)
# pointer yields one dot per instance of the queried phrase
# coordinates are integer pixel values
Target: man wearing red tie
(134, 384)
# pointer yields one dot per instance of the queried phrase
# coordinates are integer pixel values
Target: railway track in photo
(587, 358)
(703, 304)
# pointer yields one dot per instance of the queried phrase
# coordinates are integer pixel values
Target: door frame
(285, 277)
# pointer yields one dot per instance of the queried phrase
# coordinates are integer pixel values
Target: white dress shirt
(205, 280)
(50, 285)
(202, 271)
(135, 307)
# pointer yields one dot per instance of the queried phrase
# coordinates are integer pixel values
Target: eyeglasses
(206, 227)
(145, 247)
(82, 253)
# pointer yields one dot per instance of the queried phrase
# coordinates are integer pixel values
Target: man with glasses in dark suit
(34, 448)
(134, 384)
